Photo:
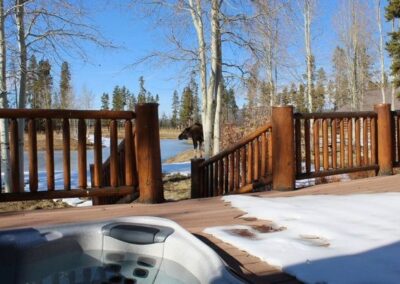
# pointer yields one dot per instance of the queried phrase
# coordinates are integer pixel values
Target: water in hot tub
(103, 267)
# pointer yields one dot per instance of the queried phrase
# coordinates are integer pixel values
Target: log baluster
(32, 153)
(297, 135)
(243, 165)
(365, 142)
(49, 154)
(307, 145)
(325, 145)
(113, 153)
(358, 143)
(98, 159)
(237, 169)
(129, 156)
(231, 172)
(334, 142)
(373, 138)
(263, 169)
(256, 159)
(316, 145)
(66, 154)
(249, 162)
(14, 156)
(82, 175)
(350, 142)
(342, 144)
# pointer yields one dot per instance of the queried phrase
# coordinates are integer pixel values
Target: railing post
(283, 155)
(196, 190)
(384, 137)
(148, 153)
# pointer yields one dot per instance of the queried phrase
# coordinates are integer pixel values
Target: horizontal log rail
(116, 184)
(240, 168)
(335, 143)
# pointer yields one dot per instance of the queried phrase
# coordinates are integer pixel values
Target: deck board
(197, 214)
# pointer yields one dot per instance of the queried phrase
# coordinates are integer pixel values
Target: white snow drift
(325, 239)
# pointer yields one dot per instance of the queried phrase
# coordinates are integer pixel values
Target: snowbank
(324, 239)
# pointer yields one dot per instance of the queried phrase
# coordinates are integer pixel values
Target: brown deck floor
(196, 214)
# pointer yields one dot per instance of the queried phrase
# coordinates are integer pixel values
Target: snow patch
(326, 239)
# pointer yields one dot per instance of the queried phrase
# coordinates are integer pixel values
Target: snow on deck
(323, 238)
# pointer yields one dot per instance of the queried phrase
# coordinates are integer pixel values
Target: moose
(196, 133)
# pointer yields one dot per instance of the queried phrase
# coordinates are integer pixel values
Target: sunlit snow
(324, 239)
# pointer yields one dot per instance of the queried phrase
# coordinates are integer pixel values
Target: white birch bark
(20, 11)
(381, 55)
(307, 38)
(5, 146)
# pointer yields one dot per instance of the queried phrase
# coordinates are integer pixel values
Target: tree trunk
(5, 146)
(381, 54)
(307, 35)
(220, 87)
(20, 9)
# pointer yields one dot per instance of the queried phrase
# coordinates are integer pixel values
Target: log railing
(238, 169)
(104, 184)
(335, 143)
(396, 137)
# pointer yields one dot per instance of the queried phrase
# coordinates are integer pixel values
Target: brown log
(221, 177)
(263, 167)
(307, 144)
(66, 155)
(256, 160)
(98, 156)
(342, 144)
(334, 142)
(148, 153)
(82, 165)
(350, 143)
(358, 144)
(250, 162)
(215, 179)
(14, 157)
(134, 159)
(297, 135)
(211, 180)
(32, 153)
(113, 154)
(374, 138)
(365, 142)
(65, 114)
(226, 174)
(49, 155)
(243, 160)
(398, 137)
(316, 145)
(129, 174)
(385, 158)
(237, 169)
(196, 190)
(231, 172)
(283, 155)
(325, 144)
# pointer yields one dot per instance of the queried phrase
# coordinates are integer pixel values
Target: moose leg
(195, 148)
(201, 149)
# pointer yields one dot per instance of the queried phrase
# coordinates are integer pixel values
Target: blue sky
(136, 37)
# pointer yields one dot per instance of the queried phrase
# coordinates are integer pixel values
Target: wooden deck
(196, 214)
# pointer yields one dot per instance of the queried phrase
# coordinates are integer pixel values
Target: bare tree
(307, 14)
(381, 51)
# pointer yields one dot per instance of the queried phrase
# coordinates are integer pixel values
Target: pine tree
(142, 95)
(118, 100)
(393, 46)
(300, 100)
(175, 109)
(105, 101)
(196, 101)
(229, 106)
(131, 101)
(32, 83)
(285, 96)
(319, 91)
(45, 84)
(186, 111)
(65, 86)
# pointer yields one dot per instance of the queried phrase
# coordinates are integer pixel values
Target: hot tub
(124, 250)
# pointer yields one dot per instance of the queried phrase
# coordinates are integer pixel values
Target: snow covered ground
(324, 239)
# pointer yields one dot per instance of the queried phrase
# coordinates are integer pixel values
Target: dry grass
(177, 187)
(32, 205)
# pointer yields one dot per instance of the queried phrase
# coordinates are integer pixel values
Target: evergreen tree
(341, 94)
(131, 103)
(32, 83)
(196, 101)
(319, 92)
(186, 111)
(45, 84)
(175, 109)
(156, 99)
(285, 96)
(118, 98)
(105, 101)
(393, 45)
(65, 86)
(293, 93)
(299, 99)
(142, 95)
(229, 106)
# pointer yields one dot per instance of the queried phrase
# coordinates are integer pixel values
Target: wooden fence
(302, 146)
(136, 169)
(238, 169)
